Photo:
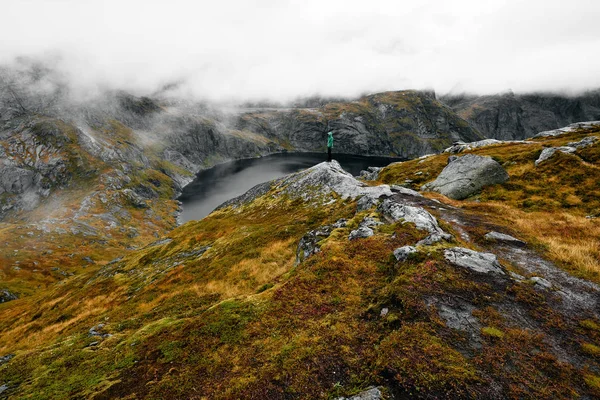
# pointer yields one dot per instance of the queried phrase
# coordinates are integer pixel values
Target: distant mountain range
(508, 116)
(313, 285)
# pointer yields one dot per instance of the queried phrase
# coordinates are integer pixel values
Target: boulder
(366, 203)
(364, 229)
(361, 232)
(434, 238)
(370, 174)
(541, 283)
(134, 199)
(372, 393)
(549, 152)
(98, 330)
(308, 244)
(6, 295)
(417, 215)
(406, 191)
(466, 176)
(402, 253)
(583, 143)
(501, 237)
(6, 358)
(15, 180)
(486, 263)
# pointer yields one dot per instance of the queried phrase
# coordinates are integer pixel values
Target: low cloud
(234, 50)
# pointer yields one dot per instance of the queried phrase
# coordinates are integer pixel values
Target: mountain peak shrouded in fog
(235, 50)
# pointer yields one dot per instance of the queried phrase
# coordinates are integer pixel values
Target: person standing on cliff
(329, 145)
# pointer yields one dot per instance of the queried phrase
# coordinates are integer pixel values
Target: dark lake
(225, 181)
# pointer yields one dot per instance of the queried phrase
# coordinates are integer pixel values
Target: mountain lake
(222, 182)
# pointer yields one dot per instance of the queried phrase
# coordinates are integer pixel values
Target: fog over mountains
(284, 50)
(467, 268)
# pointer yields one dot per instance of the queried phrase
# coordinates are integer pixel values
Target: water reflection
(225, 181)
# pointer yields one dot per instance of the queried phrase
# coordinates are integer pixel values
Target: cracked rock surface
(466, 176)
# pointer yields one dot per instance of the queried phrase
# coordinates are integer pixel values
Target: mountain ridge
(317, 284)
(216, 307)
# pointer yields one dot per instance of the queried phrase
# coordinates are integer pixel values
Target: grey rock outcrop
(6, 358)
(366, 203)
(318, 184)
(255, 192)
(367, 126)
(583, 143)
(548, 152)
(512, 116)
(459, 316)
(134, 199)
(403, 190)
(361, 232)
(501, 237)
(417, 215)
(540, 282)
(486, 263)
(570, 148)
(434, 238)
(15, 180)
(402, 253)
(6, 295)
(459, 147)
(568, 129)
(364, 229)
(370, 174)
(369, 394)
(466, 176)
(98, 330)
(326, 178)
(308, 244)
(32, 162)
(330, 177)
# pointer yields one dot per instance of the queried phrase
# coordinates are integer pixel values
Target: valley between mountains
(471, 270)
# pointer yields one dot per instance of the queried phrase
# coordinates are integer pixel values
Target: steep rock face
(34, 158)
(405, 124)
(509, 116)
(201, 142)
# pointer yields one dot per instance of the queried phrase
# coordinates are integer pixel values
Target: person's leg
(329, 154)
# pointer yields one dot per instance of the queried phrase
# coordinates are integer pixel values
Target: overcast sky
(282, 49)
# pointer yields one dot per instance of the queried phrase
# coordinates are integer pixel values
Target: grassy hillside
(99, 198)
(553, 205)
(218, 309)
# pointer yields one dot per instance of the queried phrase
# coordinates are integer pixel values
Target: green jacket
(330, 139)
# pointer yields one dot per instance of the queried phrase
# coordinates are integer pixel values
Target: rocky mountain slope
(404, 124)
(318, 285)
(314, 285)
(85, 180)
(508, 116)
(399, 124)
